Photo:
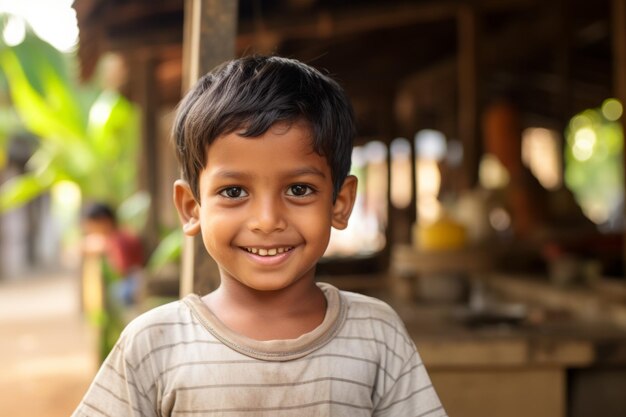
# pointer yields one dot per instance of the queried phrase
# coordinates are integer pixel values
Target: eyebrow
(239, 175)
(225, 173)
(305, 171)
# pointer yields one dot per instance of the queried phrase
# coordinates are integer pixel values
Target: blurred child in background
(122, 250)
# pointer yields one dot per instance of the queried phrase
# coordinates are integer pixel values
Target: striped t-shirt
(180, 360)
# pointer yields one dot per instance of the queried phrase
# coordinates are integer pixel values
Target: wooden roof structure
(555, 57)
(405, 64)
(538, 48)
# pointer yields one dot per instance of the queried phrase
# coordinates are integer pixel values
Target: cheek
(317, 224)
(217, 226)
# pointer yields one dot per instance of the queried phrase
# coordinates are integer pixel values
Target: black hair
(252, 94)
(99, 211)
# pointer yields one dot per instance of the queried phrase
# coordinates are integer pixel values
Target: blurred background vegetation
(79, 141)
(594, 162)
(82, 138)
(75, 142)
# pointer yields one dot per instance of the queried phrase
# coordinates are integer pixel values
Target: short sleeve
(117, 390)
(412, 394)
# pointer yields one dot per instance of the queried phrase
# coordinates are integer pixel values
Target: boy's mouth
(268, 252)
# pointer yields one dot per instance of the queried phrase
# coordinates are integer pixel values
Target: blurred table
(436, 275)
(471, 260)
(558, 366)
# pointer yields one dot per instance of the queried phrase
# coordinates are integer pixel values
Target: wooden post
(563, 57)
(146, 95)
(618, 12)
(210, 32)
(467, 78)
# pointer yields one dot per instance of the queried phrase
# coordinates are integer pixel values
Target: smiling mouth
(268, 252)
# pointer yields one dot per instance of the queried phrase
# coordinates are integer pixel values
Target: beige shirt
(180, 360)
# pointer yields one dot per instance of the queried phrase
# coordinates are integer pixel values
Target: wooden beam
(526, 36)
(336, 23)
(562, 13)
(467, 76)
(353, 20)
(143, 82)
(619, 49)
(210, 31)
(126, 14)
(209, 36)
(164, 37)
(618, 12)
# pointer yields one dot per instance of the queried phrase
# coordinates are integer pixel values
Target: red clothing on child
(124, 252)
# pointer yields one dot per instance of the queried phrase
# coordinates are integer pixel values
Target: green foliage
(85, 136)
(168, 251)
(594, 165)
(9, 124)
(21, 189)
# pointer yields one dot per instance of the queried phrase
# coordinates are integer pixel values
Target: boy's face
(266, 207)
(99, 226)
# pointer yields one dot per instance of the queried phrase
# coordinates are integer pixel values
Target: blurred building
(422, 75)
(407, 66)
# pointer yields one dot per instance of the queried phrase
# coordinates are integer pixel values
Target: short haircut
(253, 93)
(99, 211)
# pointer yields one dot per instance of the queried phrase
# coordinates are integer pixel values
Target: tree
(85, 134)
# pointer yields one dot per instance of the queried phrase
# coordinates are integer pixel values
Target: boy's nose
(268, 216)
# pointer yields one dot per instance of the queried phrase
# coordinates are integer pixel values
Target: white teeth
(268, 252)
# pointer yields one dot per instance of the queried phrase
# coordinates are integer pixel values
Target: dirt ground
(47, 353)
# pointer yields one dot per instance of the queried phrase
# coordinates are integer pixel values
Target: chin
(268, 286)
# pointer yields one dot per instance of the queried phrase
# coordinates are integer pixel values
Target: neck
(264, 315)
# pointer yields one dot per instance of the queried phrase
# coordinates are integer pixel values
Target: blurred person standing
(121, 249)
(535, 211)
(549, 226)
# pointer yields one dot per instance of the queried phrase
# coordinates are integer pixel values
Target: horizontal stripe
(96, 409)
(371, 339)
(412, 394)
(114, 395)
(286, 408)
(284, 384)
(126, 381)
(411, 369)
(385, 322)
(173, 345)
(117, 397)
(165, 324)
(263, 363)
(425, 413)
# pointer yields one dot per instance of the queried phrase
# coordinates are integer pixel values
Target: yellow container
(441, 235)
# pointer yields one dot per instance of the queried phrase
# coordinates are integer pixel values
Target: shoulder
(167, 313)
(161, 325)
(360, 305)
(369, 315)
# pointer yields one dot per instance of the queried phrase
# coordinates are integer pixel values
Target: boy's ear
(344, 203)
(188, 208)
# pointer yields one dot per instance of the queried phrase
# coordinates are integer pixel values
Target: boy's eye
(233, 192)
(299, 190)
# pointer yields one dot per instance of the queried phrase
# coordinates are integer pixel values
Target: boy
(265, 144)
(122, 250)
